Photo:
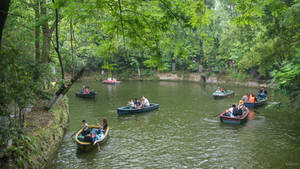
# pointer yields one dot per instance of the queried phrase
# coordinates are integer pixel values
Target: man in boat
(85, 127)
(262, 93)
(145, 102)
(231, 111)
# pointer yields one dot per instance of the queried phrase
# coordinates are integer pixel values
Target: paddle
(75, 132)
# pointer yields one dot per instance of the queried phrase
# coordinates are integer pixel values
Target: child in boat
(131, 104)
(83, 89)
(137, 104)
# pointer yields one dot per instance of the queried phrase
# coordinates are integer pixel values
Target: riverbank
(44, 131)
(183, 76)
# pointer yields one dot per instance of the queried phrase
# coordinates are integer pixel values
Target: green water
(183, 133)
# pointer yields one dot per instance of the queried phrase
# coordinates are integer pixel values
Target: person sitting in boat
(230, 112)
(88, 137)
(85, 128)
(97, 137)
(137, 104)
(87, 90)
(240, 108)
(83, 89)
(223, 90)
(131, 104)
(262, 93)
(145, 102)
(245, 98)
(252, 98)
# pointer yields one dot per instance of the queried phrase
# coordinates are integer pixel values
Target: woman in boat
(98, 136)
(104, 124)
(240, 108)
(245, 98)
(223, 90)
(252, 98)
(86, 91)
(145, 102)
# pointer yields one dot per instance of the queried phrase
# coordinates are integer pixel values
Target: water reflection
(183, 133)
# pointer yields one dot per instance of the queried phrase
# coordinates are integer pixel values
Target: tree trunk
(37, 32)
(201, 55)
(57, 44)
(63, 90)
(46, 34)
(72, 50)
(4, 7)
(173, 65)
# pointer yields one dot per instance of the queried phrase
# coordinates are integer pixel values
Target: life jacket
(252, 99)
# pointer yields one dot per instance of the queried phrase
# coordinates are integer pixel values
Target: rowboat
(90, 95)
(236, 119)
(86, 146)
(218, 95)
(129, 110)
(111, 82)
(258, 103)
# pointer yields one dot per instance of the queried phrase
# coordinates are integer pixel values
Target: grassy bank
(43, 131)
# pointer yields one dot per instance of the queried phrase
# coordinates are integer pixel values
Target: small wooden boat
(128, 110)
(86, 146)
(111, 81)
(258, 103)
(218, 95)
(236, 119)
(90, 95)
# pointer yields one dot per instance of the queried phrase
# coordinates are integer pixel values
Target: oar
(217, 115)
(75, 132)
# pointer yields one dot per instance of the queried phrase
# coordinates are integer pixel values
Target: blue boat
(92, 94)
(236, 119)
(218, 95)
(129, 110)
(258, 103)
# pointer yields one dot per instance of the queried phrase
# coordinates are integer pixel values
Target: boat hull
(90, 95)
(87, 146)
(236, 119)
(259, 103)
(128, 110)
(223, 95)
(111, 82)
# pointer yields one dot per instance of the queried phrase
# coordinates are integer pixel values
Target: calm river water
(183, 133)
